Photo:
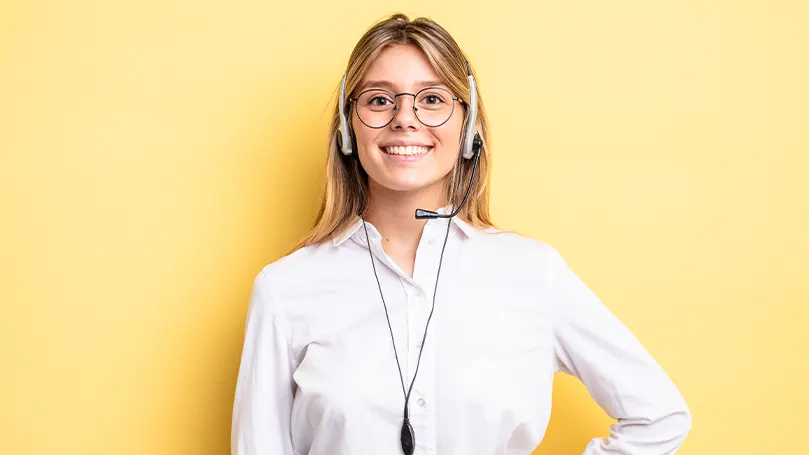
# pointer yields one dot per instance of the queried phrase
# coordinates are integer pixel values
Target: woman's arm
(264, 389)
(623, 378)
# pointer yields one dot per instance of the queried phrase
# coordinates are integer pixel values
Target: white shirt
(318, 374)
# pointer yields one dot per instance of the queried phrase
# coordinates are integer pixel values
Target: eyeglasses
(433, 106)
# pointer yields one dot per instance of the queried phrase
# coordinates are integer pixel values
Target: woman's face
(406, 155)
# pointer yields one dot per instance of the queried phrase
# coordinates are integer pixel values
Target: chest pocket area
(501, 334)
(503, 317)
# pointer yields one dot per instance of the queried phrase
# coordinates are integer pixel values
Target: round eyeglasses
(433, 106)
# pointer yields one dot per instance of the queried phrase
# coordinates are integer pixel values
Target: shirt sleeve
(627, 383)
(264, 390)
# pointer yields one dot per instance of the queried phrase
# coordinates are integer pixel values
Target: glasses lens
(434, 106)
(376, 107)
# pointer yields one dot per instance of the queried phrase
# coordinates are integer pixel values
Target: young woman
(386, 333)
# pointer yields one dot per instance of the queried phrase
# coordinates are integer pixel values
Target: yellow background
(155, 155)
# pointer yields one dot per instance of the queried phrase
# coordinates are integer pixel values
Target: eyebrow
(390, 85)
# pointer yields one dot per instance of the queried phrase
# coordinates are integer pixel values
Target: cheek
(365, 136)
(450, 136)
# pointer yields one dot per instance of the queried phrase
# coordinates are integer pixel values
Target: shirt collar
(467, 229)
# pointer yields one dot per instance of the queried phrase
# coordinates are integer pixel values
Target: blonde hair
(346, 194)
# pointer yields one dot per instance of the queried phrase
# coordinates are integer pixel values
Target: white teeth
(408, 150)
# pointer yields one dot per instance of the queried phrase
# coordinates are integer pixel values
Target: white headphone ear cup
(345, 142)
(468, 152)
(352, 144)
(346, 145)
(338, 138)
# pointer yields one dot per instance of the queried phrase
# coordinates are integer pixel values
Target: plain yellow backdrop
(154, 155)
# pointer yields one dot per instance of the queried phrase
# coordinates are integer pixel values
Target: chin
(403, 186)
(407, 185)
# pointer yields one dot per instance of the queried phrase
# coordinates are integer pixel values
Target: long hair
(346, 194)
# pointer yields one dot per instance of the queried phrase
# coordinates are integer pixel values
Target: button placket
(421, 410)
(417, 321)
(419, 298)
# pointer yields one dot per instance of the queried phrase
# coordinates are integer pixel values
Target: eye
(432, 98)
(379, 100)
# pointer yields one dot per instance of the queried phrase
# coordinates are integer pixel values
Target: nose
(405, 116)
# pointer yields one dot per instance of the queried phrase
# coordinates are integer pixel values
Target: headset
(472, 143)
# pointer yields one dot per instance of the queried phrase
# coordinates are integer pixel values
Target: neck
(393, 212)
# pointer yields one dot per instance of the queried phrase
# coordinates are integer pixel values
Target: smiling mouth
(410, 150)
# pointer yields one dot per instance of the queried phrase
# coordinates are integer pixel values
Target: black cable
(408, 437)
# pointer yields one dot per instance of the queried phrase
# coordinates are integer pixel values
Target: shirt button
(431, 242)
(421, 402)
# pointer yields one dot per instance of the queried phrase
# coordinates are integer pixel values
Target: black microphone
(422, 214)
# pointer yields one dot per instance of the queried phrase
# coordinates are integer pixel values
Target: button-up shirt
(318, 374)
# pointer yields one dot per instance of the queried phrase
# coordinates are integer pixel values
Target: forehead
(400, 67)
